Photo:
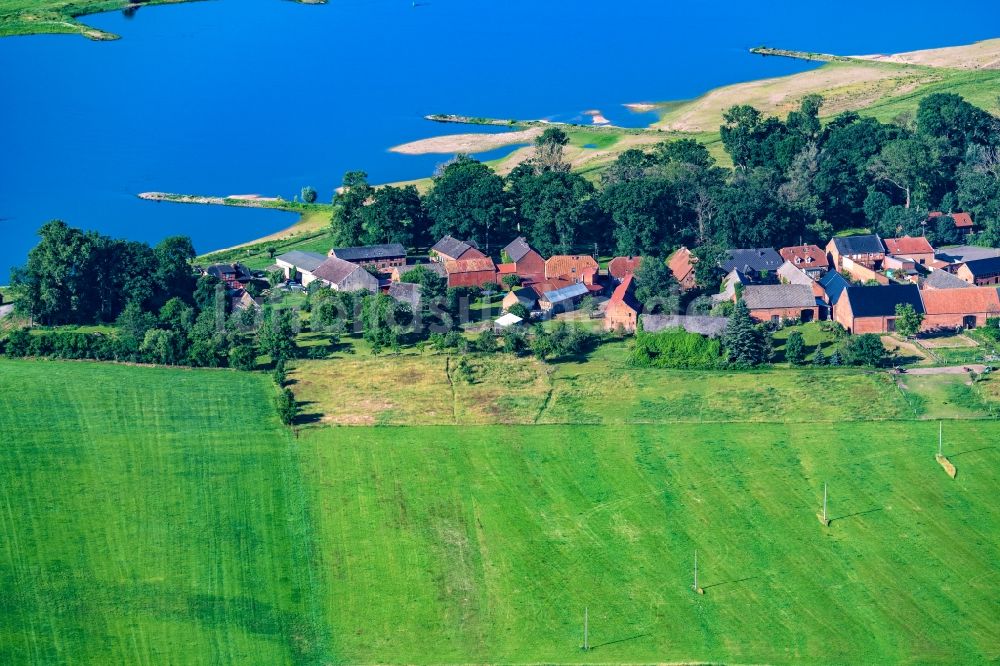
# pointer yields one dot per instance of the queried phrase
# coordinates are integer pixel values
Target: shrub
(795, 348)
(866, 349)
(309, 194)
(287, 408)
(675, 348)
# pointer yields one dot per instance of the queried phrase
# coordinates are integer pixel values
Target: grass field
(163, 516)
(28, 17)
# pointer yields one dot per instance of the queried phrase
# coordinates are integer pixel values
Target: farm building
(712, 327)
(963, 221)
(775, 302)
(833, 284)
(452, 249)
(564, 299)
(756, 264)
(959, 308)
(397, 272)
(381, 257)
(980, 272)
(791, 274)
(406, 293)
(296, 264)
(873, 309)
(963, 253)
(235, 276)
(622, 311)
(866, 250)
(943, 280)
(811, 259)
(527, 263)
(619, 267)
(471, 272)
(681, 264)
(579, 268)
(342, 275)
(916, 248)
(525, 296)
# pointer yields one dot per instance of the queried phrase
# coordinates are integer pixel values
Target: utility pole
(695, 586)
(586, 619)
(823, 517)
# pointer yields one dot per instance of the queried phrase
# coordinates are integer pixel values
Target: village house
(959, 308)
(810, 259)
(297, 264)
(788, 273)
(526, 296)
(622, 311)
(873, 309)
(521, 260)
(473, 272)
(867, 251)
(963, 221)
(777, 302)
(235, 276)
(754, 264)
(243, 301)
(681, 264)
(916, 248)
(396, 273)
(564, 299)
(711, 327)
(980, 272)
(943, 280)
(577, 268)
(619, 267)
(452, 249)
(380, 257)
(341, 275)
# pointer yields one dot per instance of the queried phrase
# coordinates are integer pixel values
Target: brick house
(980, 272)
(916, 248)
(622, 311)
(578, 268)
(963, 221)
(619, 267)
(776, 302)
(810, 259)
(873, 309)
(381, 257)
(527, 263)
(867, 251)
(959, 308)
(755, 264)
(681, 264)
(341, 275)
(452, 249)
(472, 272)
(235, 276)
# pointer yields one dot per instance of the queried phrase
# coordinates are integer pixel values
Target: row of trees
(793, 179)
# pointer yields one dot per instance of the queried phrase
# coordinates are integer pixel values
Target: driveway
(948, 370)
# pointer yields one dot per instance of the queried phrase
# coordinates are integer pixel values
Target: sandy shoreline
(466, 143)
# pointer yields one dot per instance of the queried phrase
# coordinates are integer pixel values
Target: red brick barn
(980, 272)
(873, 309)
(452, 249)
(471, 272)
(776, 302)
(963, 221)
(959, 308)
(623, 309)
(527, 263)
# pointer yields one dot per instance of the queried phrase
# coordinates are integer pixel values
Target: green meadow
(152, 515)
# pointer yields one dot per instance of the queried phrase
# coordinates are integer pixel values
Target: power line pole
(586, 628)
(823, 517)
(695, 585)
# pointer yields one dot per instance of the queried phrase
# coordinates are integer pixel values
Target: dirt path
(948, 370)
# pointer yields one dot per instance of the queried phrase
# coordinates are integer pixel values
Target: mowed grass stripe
(511, 531)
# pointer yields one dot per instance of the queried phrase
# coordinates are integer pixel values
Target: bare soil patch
(467, 143)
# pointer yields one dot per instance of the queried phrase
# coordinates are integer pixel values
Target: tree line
(793, 179)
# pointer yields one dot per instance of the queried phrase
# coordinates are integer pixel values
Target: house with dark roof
(712, 327)
(980, 272)
(298, 264)
(524, 296)
(619, 267)
(833, 284)
(873, 309)
(963, 221)
(866, 250)
(525, 261)
(916, 248)
(959, 308)
(235, 276)
(342, 275)
(778, 302)
(681, 264)
(810, 259)
(960, 254)
(452, 249)
(622, 311)
(755, 264)
(381, 257)
(943, 280)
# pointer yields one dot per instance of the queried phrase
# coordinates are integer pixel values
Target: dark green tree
(743, 341)
(795, 348)
(468, 201)
(655, 286)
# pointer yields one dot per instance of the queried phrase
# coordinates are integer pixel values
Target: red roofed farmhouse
(811, 259)
(913, 247)
(959, 308)
(622, 266)
(963, 221)
(622, 311)
(524, 261)
(470, 272)
(580, 268)
(682, 266)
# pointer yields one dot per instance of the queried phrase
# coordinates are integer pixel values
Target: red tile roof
(469, 265)
(962, 220)
(622, 266)
(623, 295)
(563, 265)
(908, 245)
(961, 301)
(681, 263)
(549, 285)
(507, 269)
(804, 255)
